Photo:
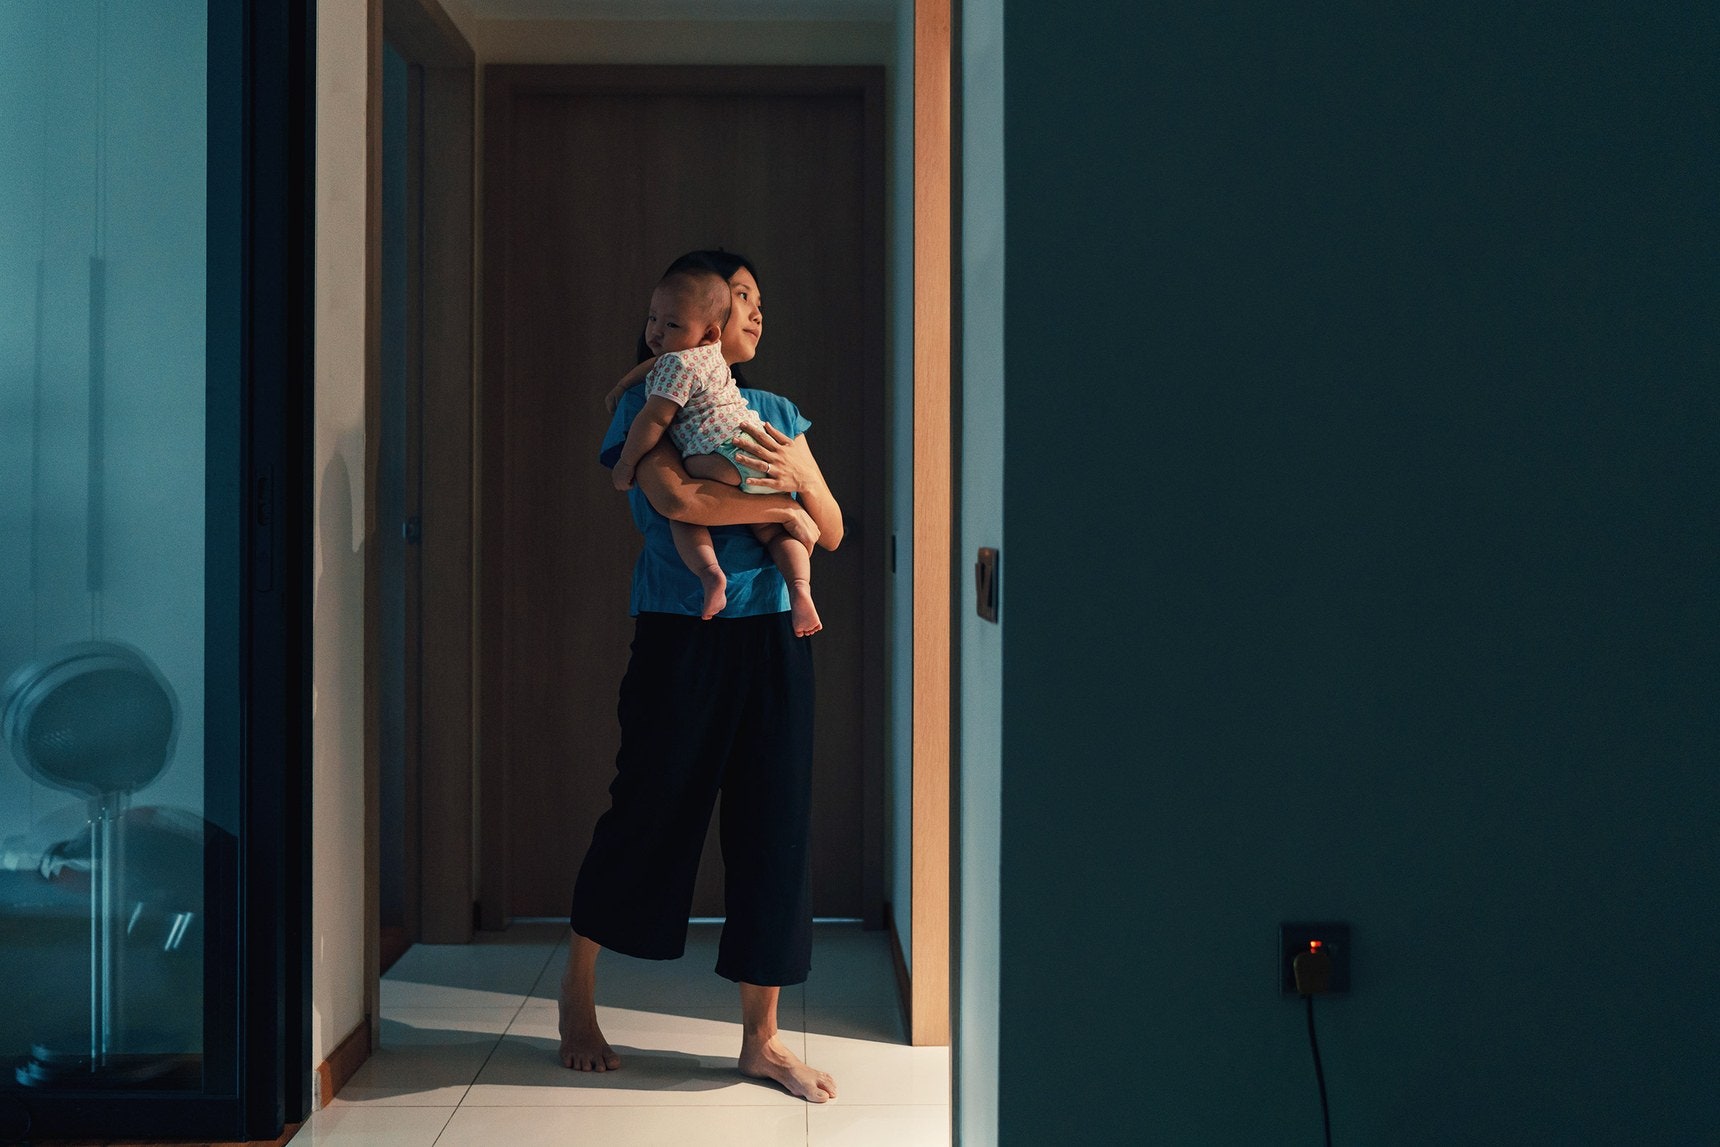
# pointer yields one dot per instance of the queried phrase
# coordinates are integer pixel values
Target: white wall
(465, 19)
(337, 688)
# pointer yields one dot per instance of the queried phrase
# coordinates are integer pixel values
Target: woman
(707, 706)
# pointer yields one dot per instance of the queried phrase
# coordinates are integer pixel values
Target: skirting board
(343, 1063)
(286, 1135)
(904, 988)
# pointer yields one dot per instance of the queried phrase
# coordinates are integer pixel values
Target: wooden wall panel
(596, 178)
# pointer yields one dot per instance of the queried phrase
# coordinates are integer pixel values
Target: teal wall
(1362, 493)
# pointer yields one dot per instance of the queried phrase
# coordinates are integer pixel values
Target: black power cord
(1313, 972)
(1319, 1072)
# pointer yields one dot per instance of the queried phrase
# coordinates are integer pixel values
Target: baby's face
(674, 322)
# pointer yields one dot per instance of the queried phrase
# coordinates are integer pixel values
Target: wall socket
(1293, 940)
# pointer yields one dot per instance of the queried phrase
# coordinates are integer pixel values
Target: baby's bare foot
(768, 1059)
(716, 592)
(583, 1047)
(801, 610)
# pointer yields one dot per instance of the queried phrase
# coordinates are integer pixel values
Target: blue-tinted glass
(103, 312)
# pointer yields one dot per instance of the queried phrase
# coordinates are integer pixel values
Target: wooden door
(595, 179)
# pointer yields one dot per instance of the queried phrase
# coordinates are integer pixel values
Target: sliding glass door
(153, 346)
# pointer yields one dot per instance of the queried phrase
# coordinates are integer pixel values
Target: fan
(98, 719)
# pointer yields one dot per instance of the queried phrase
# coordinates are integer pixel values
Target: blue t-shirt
(662, 583)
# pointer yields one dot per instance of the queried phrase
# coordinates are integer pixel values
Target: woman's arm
(791, 468)
(679, 497)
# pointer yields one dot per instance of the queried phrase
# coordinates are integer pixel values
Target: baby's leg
(693, 543)
(795, 562)
(712, 466)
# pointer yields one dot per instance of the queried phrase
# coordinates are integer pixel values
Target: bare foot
(768, 1059)
(802, 612)
(583, 1047)
(716, 591)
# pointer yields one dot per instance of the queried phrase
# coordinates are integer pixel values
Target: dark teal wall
(1363, 505)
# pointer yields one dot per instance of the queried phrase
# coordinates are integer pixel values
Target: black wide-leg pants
(707, 707)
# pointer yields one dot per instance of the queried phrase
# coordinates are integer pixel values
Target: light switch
(985, 583)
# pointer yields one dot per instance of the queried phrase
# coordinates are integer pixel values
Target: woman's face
(746, 318)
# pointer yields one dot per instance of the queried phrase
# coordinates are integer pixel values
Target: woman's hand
(789, 468)
(786, 462)
(801, 528)
(672, 492)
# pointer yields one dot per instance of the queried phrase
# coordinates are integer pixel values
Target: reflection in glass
(104, 845)
(97, 719)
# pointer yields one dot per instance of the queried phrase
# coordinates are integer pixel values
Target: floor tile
(428, 1057)
(687, 1057)
(843, 1125)
(373, 1127)
(490, 973)
(862, 1048)
(850, 966)
(469, 1046)
(526, 932)
(625, 1127)
(626, 982)
(867, 1023)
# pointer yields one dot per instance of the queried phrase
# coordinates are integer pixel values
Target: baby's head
(688, 309)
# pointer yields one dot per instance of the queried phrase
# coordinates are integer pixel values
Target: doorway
(923, 98)
(419, 397)
(595, 178)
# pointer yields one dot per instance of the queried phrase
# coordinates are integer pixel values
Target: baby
(691, 395)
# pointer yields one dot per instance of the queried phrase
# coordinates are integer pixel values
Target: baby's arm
(646, 431)
(627, 380)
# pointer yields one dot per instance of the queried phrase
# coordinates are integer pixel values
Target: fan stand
(101, 1063)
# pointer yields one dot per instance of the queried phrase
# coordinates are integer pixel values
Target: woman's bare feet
(716, 591)
(801, 610)
(766, 1058)
(583, 1047)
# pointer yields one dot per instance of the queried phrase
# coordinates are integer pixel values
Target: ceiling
(727, 10)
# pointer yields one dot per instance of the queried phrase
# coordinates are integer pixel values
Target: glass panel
(104, 842)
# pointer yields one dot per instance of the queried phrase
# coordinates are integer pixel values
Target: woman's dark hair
(724, 263)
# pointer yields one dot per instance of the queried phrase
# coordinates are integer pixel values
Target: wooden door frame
(424, 35)
(935, 594)
(934, 590)
(502, 83)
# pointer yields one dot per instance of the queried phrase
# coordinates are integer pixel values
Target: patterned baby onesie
(699, 382)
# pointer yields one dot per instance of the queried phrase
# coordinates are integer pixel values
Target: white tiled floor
(468, 1056)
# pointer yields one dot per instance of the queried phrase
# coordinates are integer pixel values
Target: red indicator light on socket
(1322, 943)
